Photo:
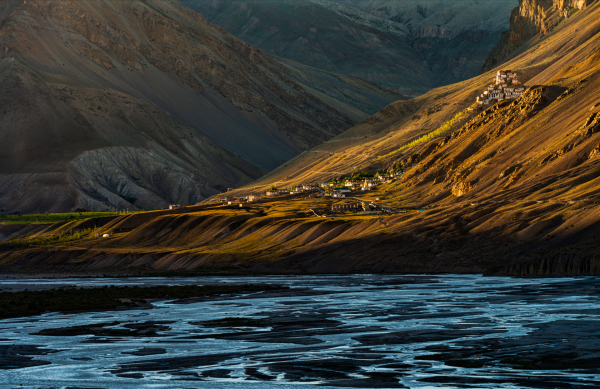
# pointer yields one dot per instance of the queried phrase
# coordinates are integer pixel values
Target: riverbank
(72, 299)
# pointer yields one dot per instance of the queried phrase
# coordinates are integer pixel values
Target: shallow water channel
(364, 331)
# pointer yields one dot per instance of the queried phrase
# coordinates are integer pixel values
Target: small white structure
(106, 236)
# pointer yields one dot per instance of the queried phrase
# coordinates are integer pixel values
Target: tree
(399, 168)
(273, 188)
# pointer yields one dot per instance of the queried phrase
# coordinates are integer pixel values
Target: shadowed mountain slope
(142, 103)
(409, 46)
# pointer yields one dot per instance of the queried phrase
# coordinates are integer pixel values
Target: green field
(58, 217)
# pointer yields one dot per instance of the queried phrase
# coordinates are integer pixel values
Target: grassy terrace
(29, 303)
(52, 218)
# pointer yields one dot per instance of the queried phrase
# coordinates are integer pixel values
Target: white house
(252, 198)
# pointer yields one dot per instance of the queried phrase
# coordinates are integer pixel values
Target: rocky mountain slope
(530, 18)
(143, 103)
(405, 45)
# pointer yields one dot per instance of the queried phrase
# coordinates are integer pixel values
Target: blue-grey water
(363, 331)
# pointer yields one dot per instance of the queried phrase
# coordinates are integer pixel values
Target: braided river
(346, 331)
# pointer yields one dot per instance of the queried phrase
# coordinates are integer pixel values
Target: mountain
(409, 46)
(143, 103)
(510, 190)
(513, 189)
(529, 19)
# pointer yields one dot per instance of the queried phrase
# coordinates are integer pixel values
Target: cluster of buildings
(318, 190)
(295, 190)
(365, 184)
(230, 200)
(252, 198)
(506, 87)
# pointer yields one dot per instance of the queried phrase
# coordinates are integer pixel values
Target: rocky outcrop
(530, 18)
(460, 188)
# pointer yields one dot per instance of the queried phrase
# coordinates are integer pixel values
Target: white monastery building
(507, 87)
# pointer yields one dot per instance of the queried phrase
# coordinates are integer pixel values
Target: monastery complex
(507, 87)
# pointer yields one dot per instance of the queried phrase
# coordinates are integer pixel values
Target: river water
(363, 331)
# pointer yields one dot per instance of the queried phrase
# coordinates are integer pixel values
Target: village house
(174, 206)
(272, 193)
(369, 184)
(254, 198)
(506, 87)
(337, 194)
(338, 208)
(236, 200)
(356, 207)
(283, 191)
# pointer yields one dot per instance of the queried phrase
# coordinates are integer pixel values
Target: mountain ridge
(402, 49)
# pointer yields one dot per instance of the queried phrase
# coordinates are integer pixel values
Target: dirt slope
(138, 104)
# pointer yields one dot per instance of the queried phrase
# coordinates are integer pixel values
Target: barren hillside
(142, 103)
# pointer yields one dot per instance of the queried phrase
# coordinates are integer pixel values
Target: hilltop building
(506, 87)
